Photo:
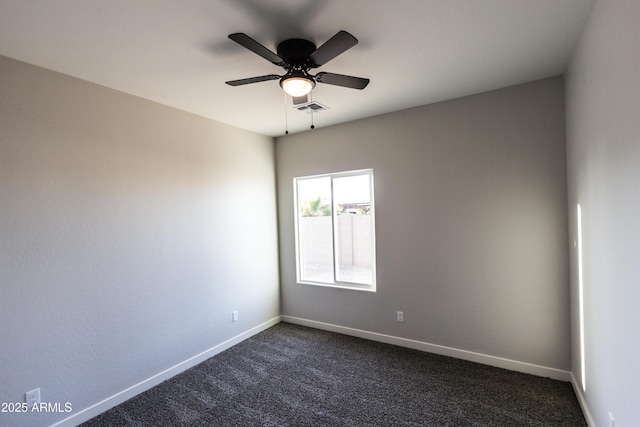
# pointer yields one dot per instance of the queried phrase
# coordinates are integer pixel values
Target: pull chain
(312, 111)
(286, 121)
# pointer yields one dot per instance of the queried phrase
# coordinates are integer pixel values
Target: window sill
(340, 285)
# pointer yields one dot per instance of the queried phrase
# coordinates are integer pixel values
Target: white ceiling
(176, 52)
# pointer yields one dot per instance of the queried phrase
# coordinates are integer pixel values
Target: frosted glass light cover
(297, 86)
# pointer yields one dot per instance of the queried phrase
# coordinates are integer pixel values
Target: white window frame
(336, 283)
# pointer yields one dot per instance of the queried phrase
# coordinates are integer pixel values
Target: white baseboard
(582, 401)
(124, 395)
(499, 362)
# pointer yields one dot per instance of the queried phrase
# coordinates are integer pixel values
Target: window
(335, 242)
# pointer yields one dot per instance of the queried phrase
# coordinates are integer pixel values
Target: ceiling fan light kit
(297, 83)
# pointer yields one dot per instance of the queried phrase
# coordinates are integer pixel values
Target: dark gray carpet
(290, 375)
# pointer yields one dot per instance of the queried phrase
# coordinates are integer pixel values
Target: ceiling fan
(297, 57)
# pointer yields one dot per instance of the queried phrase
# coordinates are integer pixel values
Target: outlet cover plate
(32, 397)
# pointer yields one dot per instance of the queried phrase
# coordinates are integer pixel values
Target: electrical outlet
(400, 316)
(611, 420)
(32, 397)
(234, 316)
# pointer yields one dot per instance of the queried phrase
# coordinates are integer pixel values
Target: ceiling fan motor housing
(296, 52)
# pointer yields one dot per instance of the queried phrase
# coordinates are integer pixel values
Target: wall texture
(129, 231)
(471, 223)
(603, 138)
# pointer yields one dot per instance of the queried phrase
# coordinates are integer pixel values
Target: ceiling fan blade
(342, 80)
(333, 47)
(255, 47)
(258, 79)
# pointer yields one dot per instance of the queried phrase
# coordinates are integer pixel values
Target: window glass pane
(315, 237)
(335, 242)
(353, 234)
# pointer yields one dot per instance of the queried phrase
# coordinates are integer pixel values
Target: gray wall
(603, 138)
(471, 223)
(129, 231)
